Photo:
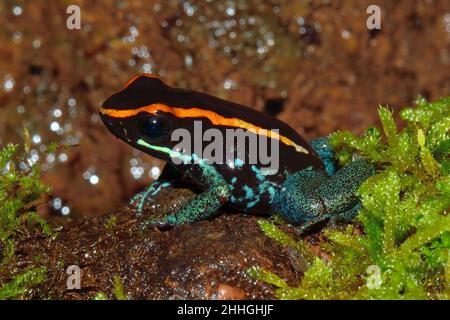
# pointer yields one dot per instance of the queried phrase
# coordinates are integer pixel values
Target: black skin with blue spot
(306, 190)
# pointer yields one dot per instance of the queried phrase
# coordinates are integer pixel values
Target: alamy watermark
(236, 147)
(374, 280)
(374, 20)
(74, 279)
(73, 21)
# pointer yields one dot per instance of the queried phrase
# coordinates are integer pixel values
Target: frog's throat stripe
(166, 150)
(215, 118)
(173, 153)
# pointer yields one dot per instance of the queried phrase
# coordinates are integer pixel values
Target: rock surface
(205, 260)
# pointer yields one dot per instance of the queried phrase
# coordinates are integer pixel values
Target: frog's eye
(155, 128)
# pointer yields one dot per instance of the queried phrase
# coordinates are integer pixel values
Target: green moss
(111, 222)
(398, 246)
(118, 288)
(22, 283)
(21, 191)
(100, 296)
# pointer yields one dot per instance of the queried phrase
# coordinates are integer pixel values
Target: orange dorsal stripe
(214, 117)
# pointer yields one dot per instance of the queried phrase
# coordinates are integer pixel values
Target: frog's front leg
(168, 175)
(309, 197)
(203, 205)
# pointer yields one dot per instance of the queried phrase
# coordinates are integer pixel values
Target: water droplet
(94, 179)
(188, 61)
(65, 210)
(50, 158)
(9, 84)
(57, 113)
(63, 157)
(36, 139)
(154, 172)
(71, 102)
(345, 34)
(54, 126)
(147, 68)
(230, 11)
(17, 11)
(57, 203)
(20, 109)
(36, 43)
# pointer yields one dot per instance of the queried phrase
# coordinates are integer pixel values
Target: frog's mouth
(116, 126)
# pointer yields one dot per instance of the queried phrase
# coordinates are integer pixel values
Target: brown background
(318, 67)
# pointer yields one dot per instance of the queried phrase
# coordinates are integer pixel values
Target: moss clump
(119, 294)
(22, 283)
(398, 246)
(111, 222)
(21, 190)
(100, 296)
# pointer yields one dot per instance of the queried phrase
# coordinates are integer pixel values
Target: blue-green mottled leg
(166, 178)
(309, 197)
(347, 215)
(323, 149)
(339, 192)
(152, 190)
(202, 207)
(297, 200)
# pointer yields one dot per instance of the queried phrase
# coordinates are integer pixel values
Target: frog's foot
(307, 226)
(160, 223)
(331, 218)
(140, 199)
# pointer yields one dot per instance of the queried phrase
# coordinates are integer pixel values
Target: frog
(306, 190)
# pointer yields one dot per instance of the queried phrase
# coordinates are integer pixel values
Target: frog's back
(295, 153)
(293, 156)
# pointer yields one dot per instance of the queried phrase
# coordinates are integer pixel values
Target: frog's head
(140, 116)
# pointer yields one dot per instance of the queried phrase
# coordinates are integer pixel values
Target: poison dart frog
(306, 188)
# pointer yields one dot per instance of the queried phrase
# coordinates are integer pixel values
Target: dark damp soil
(205, 260)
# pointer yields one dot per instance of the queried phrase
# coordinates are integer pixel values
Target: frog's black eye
(155, 128)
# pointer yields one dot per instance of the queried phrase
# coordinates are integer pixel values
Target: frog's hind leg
(166, 179)
(323, 149)
(309, 197)
(298, 201)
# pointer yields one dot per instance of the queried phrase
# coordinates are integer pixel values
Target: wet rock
(204, 260)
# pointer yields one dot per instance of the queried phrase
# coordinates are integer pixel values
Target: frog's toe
(136, 198)
(347, 215)
(140, 199)
(160, 223)
(312, 224)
